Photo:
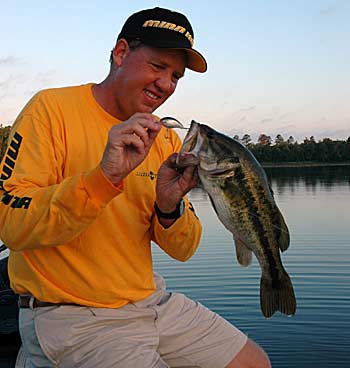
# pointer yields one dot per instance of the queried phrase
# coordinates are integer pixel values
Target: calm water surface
(315, 203)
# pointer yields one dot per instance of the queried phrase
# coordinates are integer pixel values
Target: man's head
(150, 56)
(165, 29)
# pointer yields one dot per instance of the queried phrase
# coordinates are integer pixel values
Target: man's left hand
(173, 184)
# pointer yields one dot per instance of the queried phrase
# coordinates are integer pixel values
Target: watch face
(182, 207)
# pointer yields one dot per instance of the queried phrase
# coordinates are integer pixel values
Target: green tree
(246, 139)
(264, 140)
(279, 140)
(309, 147)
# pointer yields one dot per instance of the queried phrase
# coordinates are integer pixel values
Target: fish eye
(235, 159)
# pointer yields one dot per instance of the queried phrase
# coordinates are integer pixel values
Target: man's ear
(120, 51)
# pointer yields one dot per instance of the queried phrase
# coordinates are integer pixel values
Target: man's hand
(173, 184)
(128, 145)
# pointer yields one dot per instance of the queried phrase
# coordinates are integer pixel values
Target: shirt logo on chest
(150, 174)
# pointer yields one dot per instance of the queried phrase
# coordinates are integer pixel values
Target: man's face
(147, 78)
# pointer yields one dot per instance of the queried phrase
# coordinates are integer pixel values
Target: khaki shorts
(164, 330)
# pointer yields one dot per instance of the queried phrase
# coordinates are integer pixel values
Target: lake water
(315, 203)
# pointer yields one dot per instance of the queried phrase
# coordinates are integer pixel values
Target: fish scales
(257, 221)
(253, 218)
(241, 197)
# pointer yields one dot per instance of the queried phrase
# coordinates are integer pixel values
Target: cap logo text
(170, 26)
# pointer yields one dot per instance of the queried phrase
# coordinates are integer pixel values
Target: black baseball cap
(164, 28)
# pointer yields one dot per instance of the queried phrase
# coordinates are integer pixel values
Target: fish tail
(277, 296)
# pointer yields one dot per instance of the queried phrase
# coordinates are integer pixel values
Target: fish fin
(243, 253)
(277, 298)
(284, 239)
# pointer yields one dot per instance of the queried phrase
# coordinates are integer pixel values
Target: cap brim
(195, 61)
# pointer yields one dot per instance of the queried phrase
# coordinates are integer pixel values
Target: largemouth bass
(241, 197)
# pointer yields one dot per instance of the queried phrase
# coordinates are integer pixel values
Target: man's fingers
(143, 125)
(152, 134)
(135, 141)
(190, 175)
(171, 161)
(147, 121)
(140, 131)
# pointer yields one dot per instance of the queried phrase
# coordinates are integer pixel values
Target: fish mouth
(189, 153)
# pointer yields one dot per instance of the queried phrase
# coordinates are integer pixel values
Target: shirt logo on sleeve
(7, 170)
(15, 202)
(10, 158)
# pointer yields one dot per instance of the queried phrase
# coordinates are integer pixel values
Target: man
(80, 208)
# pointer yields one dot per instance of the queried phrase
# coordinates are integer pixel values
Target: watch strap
(170, 215)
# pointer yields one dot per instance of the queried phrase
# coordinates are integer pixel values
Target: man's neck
(104, 96)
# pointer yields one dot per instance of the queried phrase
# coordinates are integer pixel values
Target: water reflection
(312, 178)
(309, 179)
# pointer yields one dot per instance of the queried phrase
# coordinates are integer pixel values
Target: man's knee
(251, 356)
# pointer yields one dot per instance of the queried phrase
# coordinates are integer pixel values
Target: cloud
(251, 108)
(5, 83)
(18, 82)
(9, 85)
(45, 78)
(13, 74)
(288, 127)
(13, 80)
(11, 61)
(267, 120)
(25, 83)
(329, 10)
(334, 133)
(284, 116)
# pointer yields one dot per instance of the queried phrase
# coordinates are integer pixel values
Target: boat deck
(9, 346)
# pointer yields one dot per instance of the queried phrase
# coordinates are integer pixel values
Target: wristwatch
(179, 210)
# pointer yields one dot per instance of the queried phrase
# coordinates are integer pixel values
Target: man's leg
(251, 356)
(32, 354)
(193, 336)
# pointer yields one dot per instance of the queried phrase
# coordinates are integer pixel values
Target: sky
(274, 67)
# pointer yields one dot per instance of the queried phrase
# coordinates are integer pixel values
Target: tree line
(289, 150)
(267, 150)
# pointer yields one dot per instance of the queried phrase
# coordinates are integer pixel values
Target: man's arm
(41, 208)
(177, 237)
(38, 207)
(180, 240)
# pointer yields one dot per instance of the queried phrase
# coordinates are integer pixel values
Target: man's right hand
(128, 145)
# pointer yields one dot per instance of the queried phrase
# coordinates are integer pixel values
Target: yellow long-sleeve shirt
(75, 237)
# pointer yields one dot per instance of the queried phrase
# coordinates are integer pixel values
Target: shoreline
(303, 164)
